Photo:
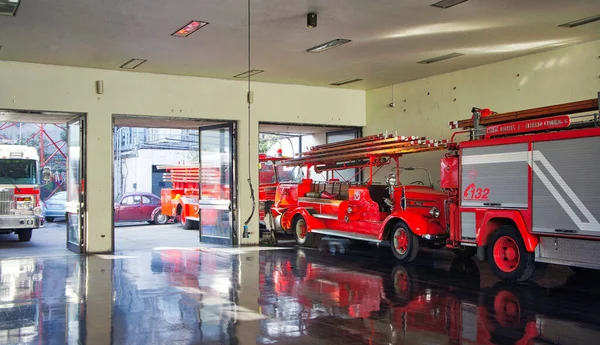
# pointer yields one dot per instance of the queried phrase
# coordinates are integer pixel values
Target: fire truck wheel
(508, 257)
(465, 252)
(160, 219)
(188, 224)
(405, 244)
(302, 236)
(25, 235)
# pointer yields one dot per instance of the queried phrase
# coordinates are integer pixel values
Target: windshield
(266, 173)
(415, 177)
(18, 171)
(289, 174)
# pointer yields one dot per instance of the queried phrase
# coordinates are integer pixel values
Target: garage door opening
(42, 169)
(278, 142)
(163, 170)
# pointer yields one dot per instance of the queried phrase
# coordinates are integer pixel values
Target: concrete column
(99, 179)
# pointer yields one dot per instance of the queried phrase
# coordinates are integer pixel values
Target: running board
(325, 216)
(351, 235)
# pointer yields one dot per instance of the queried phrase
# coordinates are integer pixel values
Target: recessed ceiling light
(133, 63)
(249, 73)
(440, 58)
(328, 45)
(344, 82)
(580, 22)
(189, 28)
(9, 7)
(447, 3)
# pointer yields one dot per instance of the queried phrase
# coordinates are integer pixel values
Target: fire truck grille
(6, 201)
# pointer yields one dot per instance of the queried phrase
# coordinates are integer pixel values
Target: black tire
(464, 252)
(513, 262)
(404, 243)
(49, 219)
(188, 224)
(160, 218)
(309, 240)
(25, 235)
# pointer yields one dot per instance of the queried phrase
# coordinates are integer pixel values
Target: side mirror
(46, 175)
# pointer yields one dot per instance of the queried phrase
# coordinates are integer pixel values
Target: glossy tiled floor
(286, 296)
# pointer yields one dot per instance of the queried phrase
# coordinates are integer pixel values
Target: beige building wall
(53, 88)
(424, 106)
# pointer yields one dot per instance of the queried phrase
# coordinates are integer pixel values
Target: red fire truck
(520, 191)
(20, 210)
(180, 202)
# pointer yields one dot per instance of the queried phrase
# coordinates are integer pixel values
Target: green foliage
(266, 143)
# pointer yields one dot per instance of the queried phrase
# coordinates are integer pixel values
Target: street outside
(51, 239)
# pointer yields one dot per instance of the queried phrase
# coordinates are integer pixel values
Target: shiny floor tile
(287, 296)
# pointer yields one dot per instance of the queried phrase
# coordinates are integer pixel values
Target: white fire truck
(20, 210)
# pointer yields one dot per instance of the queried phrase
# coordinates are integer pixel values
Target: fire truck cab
(363, 211)
(20, 210)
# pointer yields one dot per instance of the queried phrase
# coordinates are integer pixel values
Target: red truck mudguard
(493, 219)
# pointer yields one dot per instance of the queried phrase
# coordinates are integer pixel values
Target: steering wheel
(420, 183)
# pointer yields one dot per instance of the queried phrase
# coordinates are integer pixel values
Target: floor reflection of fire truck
(413, 304)
(20, 306)
(20, 210)
(522, 190)
(180, 202)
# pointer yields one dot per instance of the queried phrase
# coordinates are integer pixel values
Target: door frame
(167, 119)
(81, 118)
(233, 183)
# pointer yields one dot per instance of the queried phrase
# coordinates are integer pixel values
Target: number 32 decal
(474, 193)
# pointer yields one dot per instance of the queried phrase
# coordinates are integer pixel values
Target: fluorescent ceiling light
(133, 63)
(440, 58)
(447, 3)
(9, 7)
(580, 22)
(344, 82)
(328, 45)
(249, 73)
(189, 28)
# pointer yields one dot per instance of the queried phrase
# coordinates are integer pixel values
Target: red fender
(418, 224)
(492, 220)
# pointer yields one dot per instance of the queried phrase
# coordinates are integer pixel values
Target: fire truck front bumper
(19, 222)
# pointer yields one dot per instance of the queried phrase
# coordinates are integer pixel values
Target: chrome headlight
(434, 212)
(37, 211)
(24, 205)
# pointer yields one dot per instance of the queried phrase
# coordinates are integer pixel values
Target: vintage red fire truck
(520, 191)
(363, 211)
(20, 210)
(180, 202)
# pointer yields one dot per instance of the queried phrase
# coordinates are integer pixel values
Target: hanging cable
(249, 97)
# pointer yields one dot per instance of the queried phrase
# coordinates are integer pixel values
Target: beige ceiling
(389, 36)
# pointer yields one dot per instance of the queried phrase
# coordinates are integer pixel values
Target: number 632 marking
(474, 193)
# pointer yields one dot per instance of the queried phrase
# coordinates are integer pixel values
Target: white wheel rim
(299, 225)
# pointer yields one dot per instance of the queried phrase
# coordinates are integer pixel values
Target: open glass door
(75, 185)
(217, 184)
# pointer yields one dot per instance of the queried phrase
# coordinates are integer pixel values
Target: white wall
(44, 87)
(138, 169)
(424, 107)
